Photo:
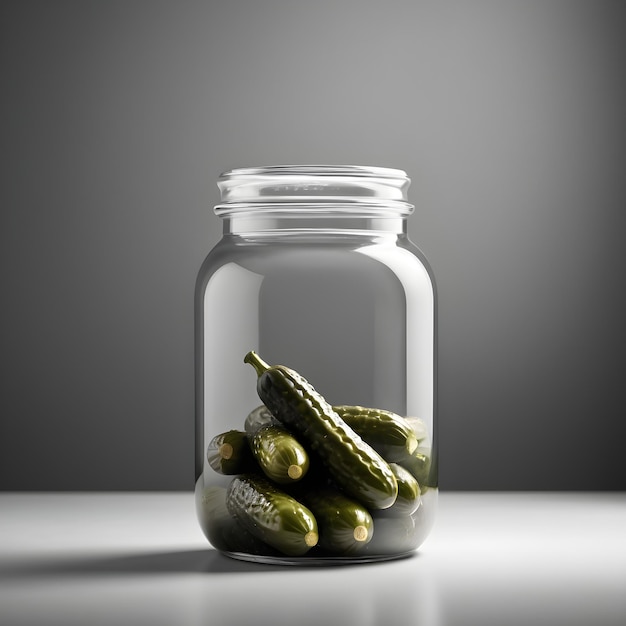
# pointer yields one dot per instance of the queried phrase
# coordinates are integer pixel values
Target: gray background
(116, 119)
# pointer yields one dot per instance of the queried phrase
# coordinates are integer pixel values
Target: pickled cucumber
(272, 515)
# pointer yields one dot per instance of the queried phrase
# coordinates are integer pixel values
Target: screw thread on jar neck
(321, 198)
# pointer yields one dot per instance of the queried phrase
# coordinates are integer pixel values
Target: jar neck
(251, 225)
(313, 200)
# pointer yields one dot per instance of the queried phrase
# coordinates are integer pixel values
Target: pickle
(345, 526)
(279, 454)
(419, 465)
(257, 418)
(272, 515)
(354, 465)
(409, 493)
(224, 532)
(388, 433)
(229, 453)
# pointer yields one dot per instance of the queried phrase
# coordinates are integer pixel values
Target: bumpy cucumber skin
(337, 518)
(354, 465)
(278, 453)
(225, 532)
(388, 433)
(257, 418)
(271, 515)
(240, 458)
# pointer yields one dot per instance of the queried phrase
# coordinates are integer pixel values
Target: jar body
(351, 310)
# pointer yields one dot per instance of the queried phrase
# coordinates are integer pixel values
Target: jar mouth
(317, 170)
(313, 189)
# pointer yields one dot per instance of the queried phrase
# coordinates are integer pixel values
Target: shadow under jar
(315, 369)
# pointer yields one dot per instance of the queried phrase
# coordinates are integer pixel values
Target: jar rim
(312, 188)
(316, 170)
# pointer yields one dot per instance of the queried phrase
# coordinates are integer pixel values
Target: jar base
(306, 561)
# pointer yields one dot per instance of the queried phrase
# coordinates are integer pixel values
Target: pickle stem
(257, 362)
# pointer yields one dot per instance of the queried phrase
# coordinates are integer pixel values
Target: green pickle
(355, 466)
(419, 466)
(223, 531)
(409, 492)
(388, 433)
(229, 453)
(272, 515)
(279, 454)
(257, 418)
(345, 526)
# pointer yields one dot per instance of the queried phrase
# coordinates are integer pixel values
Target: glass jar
(315, 369)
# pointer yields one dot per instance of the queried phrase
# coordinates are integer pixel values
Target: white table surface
(140, 558)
